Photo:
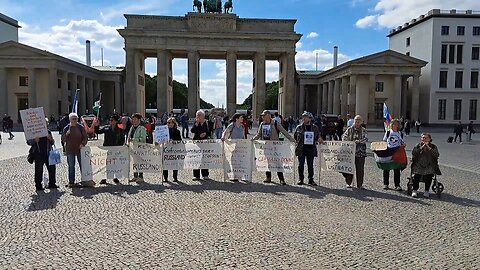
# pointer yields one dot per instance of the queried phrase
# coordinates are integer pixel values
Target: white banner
(204, 154)
(146, 158)
(34, 124)
(337, 156)
(274, 156)
(104, 162)
(161, 134)
(238, 159)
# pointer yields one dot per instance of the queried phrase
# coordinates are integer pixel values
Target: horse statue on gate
(197, 4)
(228, 6)
(212, 6)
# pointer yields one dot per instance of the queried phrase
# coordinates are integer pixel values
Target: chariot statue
(213, 6)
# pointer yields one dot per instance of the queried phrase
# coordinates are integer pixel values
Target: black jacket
(175, 134)
(204, 128)
(113, 136)
(41, 150)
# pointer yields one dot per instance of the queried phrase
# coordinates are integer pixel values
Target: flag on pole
(387, 117)
(75, 102)
(97, 105)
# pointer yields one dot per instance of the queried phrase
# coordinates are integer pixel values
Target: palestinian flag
(391, 158)
(96, 106)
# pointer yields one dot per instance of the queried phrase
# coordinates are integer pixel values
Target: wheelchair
(437, 187)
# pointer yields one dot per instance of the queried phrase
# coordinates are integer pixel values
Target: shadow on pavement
(458, 200)
(45, 200)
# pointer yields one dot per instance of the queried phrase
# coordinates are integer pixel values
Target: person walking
(201, 131)
(137, 133)
(74, 137)
(458, 130)
(306, 136)
(470, 130)
(394, 139)
(113, 137)
(40, 149)
(174, 136)
(424, 164)
(358, 134)
(10, 127)
(269, 130)
(184, 124)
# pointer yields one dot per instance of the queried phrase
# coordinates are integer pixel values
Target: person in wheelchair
(424, 164)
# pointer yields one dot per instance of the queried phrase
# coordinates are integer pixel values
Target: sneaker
(52, 186)
(206, 178)
(361, 188)
(267, 180)
(165, 180)
(140, 180)
(398, 189)
(349, 186)
(73, 185)
(135, 179)
(312, 183)
(103, 182)
(426, 194)
(234, 180)
(175, 180)
(300, 182)
(196, 179)
(414, 194)
(385, 187)
(282, 182)
(116, 181)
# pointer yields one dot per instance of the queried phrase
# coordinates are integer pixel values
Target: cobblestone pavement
(217, 225)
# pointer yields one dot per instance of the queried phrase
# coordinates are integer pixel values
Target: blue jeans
(71, 166)
(218, 133)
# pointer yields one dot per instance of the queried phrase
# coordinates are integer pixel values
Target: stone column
(415, 99)
(193, 83)
(344, 97)
(52, 93)
(74, 88)
(32, 89)
(162, 82)
(96, 91)
(319, 99)
(336, 97)
(259, 75)
(289, 86)
(3, 92)
(301, 100)
(397, 100)
(404, 96)
(231, 83)
(118, 97)
(352, 97)
(90, 97)
(82, 102)
(64, 91)
(330, 97)
(325, 98)
(371, 99)
(130, 81)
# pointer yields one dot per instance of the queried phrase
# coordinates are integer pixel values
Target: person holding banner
(235, 130)
(40, 149)
(201, 131)
(394, 139)
(269, 129)
(74, 137)
(358, 134)
(113, 137)
(174, 136)
(306, 135)
(137, 133)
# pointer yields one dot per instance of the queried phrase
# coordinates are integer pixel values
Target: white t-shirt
(394, 138)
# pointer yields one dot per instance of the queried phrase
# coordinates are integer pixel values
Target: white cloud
(305, 60)
(139, 6)
(392, 13)
(298, 45)
(312, 35)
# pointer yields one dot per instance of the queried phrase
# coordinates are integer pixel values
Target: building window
(408, 53)
(457, 109)
(378, 111)
(59, 83)
(443, 79)
(442, 109)
(460, 30)
(476, 30)
(23, 81)
(458, 79)
(69, 86)
(474, 79)
(459, 54)
(475, 53)
(444, 53)
(379, 86)
(472, 112)
(445, 30)
(408, 41)
(451, 54)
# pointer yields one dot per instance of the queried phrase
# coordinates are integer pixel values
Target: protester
(74, 137)
(269, 129)
(424, 164)
(340, 126)
(184, 123)
(358, 134)
(218, 126)
(306, 135)
(40, 149)
(113, 137)
(236, 129)
(394, 139)
(470, 130)
(201, 131)
(458, 130)
(174, 136)
(137, 133)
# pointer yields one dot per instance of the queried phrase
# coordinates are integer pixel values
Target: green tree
(271, 99)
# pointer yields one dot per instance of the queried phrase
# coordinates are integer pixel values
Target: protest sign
(104, 162)
(204, 154)
(238, 159)
(146, 158)
(337, 156)
(161, 134)
(34, 124)
(274, 156)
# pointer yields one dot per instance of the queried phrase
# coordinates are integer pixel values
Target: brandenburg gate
(198, 36)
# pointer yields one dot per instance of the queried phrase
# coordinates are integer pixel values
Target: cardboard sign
(145, 158)
(274, 156)
(203, 154)
(34, 124)
(104, 162)
(338, 156)
(161, 134)
(238, 159)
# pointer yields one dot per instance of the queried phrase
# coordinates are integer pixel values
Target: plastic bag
(54, 157)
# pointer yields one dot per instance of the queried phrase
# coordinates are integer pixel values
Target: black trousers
(39, 162)
(396, 177)
(301, 165)
(138, 174)
(279, 174)
(165, 174)
(458, 135)
(359, 172)
(426, 178)
(196, 173)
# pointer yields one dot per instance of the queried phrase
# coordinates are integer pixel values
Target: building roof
(432, 14)
(309, 72)
(4, 18)
(109, 68)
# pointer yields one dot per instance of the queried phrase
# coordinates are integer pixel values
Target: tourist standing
(306, 136)
(184, 123)
(407, 127)
(270, 129)
(137, 133)
(74, 137)
(201, 131)
(174, 134)
(458, 130)
(340, 126)
(424, 164)
(349, 121)
(40, 149)
(417, 125)
(470, 130)
(218, 126)
(358, 134)
(394, 139)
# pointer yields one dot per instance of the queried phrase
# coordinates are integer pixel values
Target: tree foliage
(271, 99)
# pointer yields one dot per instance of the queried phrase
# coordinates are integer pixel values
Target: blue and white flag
(75, 102)
(387, 117)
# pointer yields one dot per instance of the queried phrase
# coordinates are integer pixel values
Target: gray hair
(71, 115)
(200, 112)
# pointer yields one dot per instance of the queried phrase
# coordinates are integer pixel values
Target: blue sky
(358, 27)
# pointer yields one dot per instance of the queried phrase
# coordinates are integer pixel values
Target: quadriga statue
(212, 6)
(228, 7)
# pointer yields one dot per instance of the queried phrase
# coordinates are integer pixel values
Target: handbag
(54, 157)
(31, 155)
